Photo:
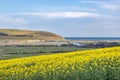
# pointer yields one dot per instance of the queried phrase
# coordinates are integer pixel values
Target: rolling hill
(28, 34)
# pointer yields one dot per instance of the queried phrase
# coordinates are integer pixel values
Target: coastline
(52, 42)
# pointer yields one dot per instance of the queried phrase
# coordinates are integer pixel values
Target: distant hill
(28, 34)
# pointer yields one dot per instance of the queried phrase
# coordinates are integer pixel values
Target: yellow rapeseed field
(99, 64)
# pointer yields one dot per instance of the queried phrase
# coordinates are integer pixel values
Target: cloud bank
(61, 14)
(12, 22)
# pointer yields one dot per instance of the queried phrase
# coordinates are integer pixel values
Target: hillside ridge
(28, 34)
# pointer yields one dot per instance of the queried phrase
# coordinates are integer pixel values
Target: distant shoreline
(92, 38)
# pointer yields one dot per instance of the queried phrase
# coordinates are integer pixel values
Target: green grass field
(16, 52)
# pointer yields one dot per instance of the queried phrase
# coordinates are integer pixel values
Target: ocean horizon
(92, 38)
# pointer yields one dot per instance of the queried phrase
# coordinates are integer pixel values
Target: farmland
(17, 52)
(97, 64)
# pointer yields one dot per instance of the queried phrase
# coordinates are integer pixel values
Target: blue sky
(76, 18)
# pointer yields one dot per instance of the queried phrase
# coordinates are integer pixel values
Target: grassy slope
(99, 64)
(28, 34)
(17, 52)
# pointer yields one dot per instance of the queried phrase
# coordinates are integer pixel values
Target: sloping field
(28, 34)
(99, 64)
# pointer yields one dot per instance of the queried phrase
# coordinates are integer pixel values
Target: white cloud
(11, 19)
(109, 6)
(11, 22)
(62, 14)
(78, 8)
(87, 1)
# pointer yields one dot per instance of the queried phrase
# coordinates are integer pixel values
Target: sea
(92, 38)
